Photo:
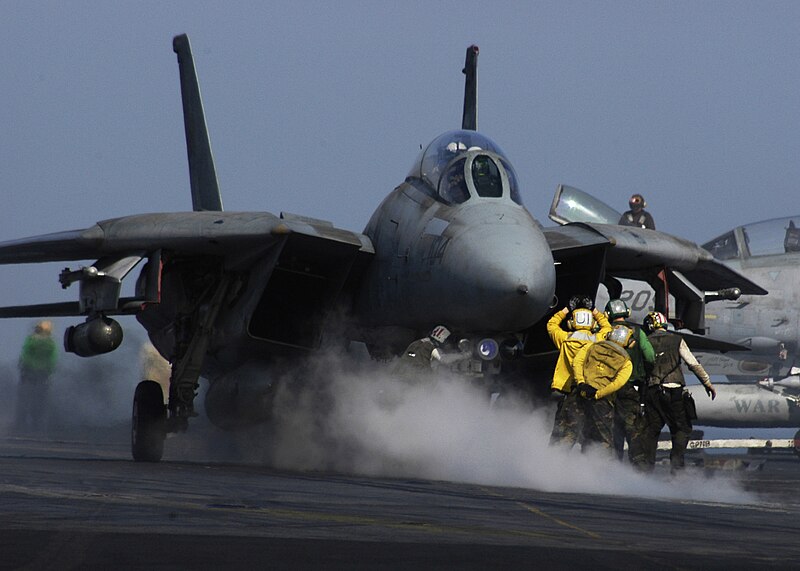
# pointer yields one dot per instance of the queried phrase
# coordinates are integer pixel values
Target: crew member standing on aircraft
(580, 332)
(37, 361)
(601, 369)
(637, 215)
(628, 419)
(666, 400)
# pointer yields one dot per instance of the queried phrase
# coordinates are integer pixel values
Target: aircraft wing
(210, 233)
(564, 240)
(120, 243)
(637, 253)
(704, 343)
(668, 264)
(640, 253)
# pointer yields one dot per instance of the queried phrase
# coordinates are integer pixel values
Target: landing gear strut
(148, 426)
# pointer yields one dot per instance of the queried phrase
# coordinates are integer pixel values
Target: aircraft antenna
(202, 173)
(469, 121)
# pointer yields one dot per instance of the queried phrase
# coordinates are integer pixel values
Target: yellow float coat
(568, 344)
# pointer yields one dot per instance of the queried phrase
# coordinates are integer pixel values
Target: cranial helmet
(621, 335)
(637, 201)
(577, 301)
(439, 335)
(616, 308)
(45, 327)
(581, 319)
(654, 320)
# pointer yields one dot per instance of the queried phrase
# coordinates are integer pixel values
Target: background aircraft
(765, 404)
(768, 252)
(768, 327)
(223, 293)
(682, 276)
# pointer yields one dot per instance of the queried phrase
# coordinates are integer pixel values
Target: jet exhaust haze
(356, 417)
(86, 397)
(366, 421)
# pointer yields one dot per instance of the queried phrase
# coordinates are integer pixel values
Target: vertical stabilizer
(469, 121)
(202, 174)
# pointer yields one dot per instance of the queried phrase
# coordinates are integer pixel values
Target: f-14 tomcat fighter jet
(220, 291)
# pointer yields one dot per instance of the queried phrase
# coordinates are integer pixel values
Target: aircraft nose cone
(501, 273)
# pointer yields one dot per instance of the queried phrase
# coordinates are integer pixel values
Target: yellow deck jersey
(604, 365)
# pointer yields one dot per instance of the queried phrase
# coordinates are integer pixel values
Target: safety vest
(667, 366)
(39, 353)
(603, 361)
(636, 221)
(640, 220)
(417, 356)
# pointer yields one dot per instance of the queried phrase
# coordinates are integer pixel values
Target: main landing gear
(149, 422)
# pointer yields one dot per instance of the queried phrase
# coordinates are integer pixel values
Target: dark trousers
(598, 428)
(32, 400)
(664, 406)
(568, 423)
(587, 421)
(628, 422)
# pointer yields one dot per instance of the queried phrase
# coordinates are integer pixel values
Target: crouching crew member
(628, 419)
(666, 401)
(421, 355)
(601, 369)
(580, 331)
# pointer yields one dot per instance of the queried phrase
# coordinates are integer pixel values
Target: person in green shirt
(628, 418)
(37, 361)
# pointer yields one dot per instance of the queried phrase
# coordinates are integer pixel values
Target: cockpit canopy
(767, 238)
(459, 165)
(571, 204)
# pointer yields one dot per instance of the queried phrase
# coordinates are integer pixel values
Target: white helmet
(581, 318)
(439, 335)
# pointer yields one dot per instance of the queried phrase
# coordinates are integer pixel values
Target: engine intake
(95, 337)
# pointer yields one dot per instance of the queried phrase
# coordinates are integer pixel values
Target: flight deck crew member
(628, 420)
(637, 215)
(581, 325)
(421, 355)
(37, 361)
(601, 369)
(665, 397)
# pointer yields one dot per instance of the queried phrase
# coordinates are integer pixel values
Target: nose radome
(505, 274)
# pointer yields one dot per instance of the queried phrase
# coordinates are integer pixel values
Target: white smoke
(84, 397)
(358, 418)
(369, 422)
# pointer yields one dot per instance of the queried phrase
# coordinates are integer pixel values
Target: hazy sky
(320, 108)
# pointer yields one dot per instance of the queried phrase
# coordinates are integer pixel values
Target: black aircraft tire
(148, 422)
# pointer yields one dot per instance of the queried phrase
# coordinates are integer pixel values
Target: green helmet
(617, 308)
